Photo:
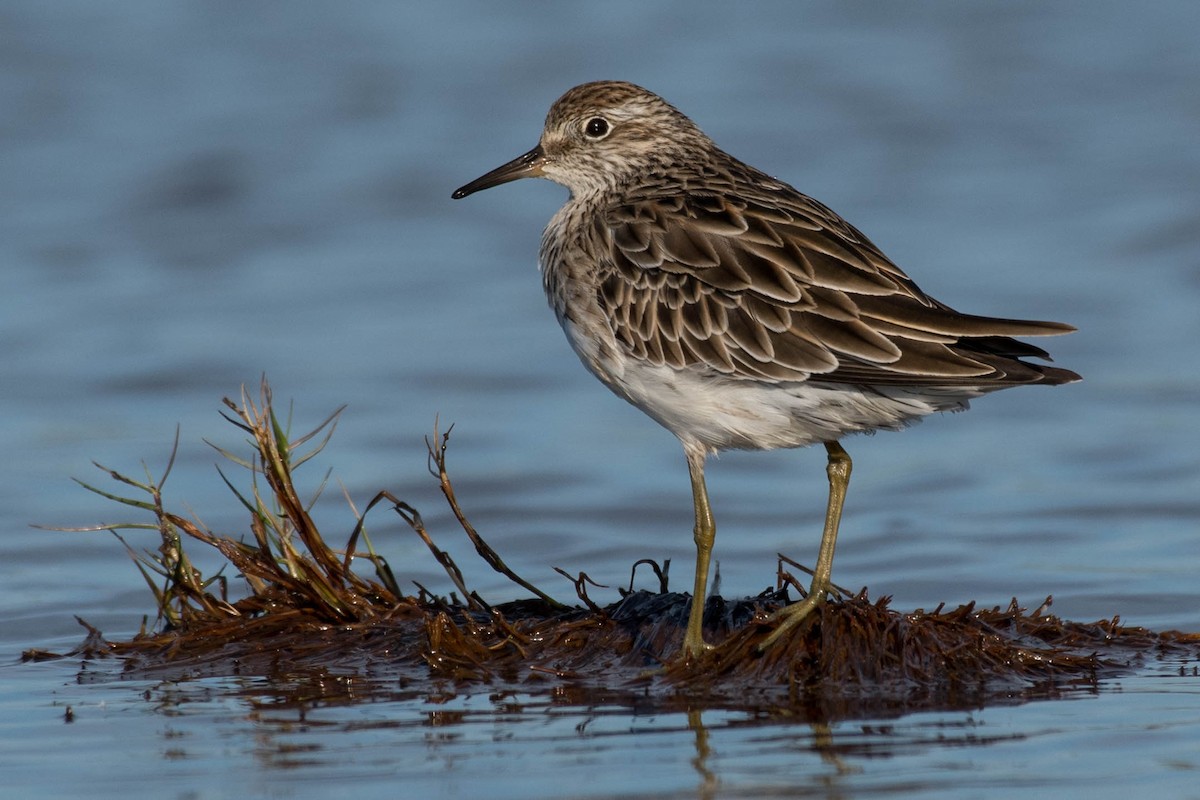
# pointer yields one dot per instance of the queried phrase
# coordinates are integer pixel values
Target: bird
(740, 313)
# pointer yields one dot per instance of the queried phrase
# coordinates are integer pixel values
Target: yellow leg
(788, 617)
(705, 532)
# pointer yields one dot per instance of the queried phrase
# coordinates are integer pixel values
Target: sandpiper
(738, 312)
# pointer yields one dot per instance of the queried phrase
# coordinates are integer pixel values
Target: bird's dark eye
(596, 128)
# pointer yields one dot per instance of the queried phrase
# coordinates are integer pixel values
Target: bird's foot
(792, 615)
(694, 648)
(694, 651)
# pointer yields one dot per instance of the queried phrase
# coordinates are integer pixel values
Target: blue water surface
(194, 195)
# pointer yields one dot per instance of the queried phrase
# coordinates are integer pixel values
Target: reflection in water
(318, 723)
(708, 780)
(821, 743)
(371, 729)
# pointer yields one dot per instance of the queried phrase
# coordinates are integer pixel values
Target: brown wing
(759, 291)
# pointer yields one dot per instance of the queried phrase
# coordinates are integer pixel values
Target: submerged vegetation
(304, 603)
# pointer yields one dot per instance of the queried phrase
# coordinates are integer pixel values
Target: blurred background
(195, 195)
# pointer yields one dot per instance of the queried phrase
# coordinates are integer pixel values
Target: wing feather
(782, 289)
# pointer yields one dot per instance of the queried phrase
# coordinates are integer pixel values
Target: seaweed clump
(307, 604)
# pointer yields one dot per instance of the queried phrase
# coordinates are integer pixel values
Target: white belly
(715, 412)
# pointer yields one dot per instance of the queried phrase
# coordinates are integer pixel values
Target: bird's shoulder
(745, 275)
(744, 231)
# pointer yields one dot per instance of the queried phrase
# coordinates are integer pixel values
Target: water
(195, 196)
